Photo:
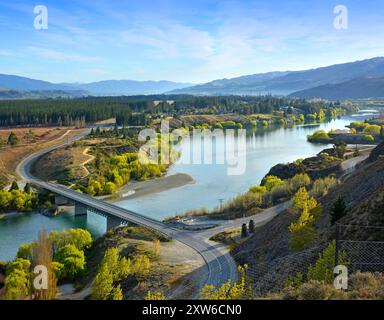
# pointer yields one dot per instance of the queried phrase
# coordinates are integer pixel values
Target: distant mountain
(360, 88)
(6, 94)
(101, 88)
(128, 87)
(12, 82)
(291, 81)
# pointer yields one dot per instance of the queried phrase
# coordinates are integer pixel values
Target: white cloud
(60, 56)
(5, 53)
(171, 39)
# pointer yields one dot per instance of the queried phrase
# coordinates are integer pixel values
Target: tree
(302, 200)
(244, 232)
(27, 188)
(156, 248)
(80, 238)
(14, 186)
(339, 149)
(42, 255)
(338, 209)
(302, 231)
(26, 251)
(72, 259)
(141, 266)
(17, 280)
(251, 226)
(117, 293)
(322, 270)
(103, 284)
(12, 139)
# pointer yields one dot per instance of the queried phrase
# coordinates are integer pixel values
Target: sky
(185, 41)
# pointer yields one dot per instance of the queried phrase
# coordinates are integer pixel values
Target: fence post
(337, 245)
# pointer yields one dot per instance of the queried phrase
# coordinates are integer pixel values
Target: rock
(376, 153)
(51, 211)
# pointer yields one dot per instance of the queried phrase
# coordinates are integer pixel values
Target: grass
(28, 143)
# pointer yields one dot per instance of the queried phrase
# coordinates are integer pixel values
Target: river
(264, 149)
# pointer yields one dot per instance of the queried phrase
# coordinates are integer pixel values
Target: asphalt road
(220, 265)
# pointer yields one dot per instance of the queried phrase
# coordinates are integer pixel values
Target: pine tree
(14, 186)
(338, 209)
(244, 232)
(251, 226)
(27, 188)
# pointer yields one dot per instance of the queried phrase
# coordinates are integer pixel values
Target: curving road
(220, 265)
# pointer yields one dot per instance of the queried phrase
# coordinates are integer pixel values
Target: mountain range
(295, 83)
(359, 79)
(25, 86)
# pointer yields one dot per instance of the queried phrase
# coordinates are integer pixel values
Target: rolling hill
(284, 83)
(24, 86)
(360, 88)
(128, 87)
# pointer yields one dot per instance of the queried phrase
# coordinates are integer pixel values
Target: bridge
(115, 215)
(220, 265)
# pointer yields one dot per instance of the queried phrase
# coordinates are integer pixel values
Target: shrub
(372, 129)
(322, 270)
(319, 136)
(369, 138)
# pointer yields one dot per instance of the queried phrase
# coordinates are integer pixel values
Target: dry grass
(40, 138)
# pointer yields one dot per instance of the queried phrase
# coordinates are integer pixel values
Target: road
(220, 265)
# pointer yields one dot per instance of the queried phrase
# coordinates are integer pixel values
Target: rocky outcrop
(315, 167)
(376, 153)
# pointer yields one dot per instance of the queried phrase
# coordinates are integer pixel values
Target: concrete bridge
(115, 215)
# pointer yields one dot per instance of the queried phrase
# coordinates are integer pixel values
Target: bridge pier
(112, 223)
(61, 201)
(80, 209)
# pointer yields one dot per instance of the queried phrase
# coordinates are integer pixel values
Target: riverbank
(137, 189)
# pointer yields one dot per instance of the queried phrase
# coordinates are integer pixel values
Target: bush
(319, 136)
(369, 138)
(313, 290)
(322, 186)
(372, 129)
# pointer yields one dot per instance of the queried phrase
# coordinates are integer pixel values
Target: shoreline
(137, 189)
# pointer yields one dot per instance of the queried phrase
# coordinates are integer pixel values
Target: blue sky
(189, 41)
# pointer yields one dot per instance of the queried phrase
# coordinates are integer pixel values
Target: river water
(264, 149)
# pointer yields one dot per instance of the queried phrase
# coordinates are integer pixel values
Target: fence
(363, 247)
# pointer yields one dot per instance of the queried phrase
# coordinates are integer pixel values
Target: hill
(128, 87)
(290, 81)
(360, 88)
(268, 252)
(17, 87)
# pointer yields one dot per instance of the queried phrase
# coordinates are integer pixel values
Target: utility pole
(221, 204)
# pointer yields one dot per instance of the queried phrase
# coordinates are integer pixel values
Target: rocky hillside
(268, 252)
